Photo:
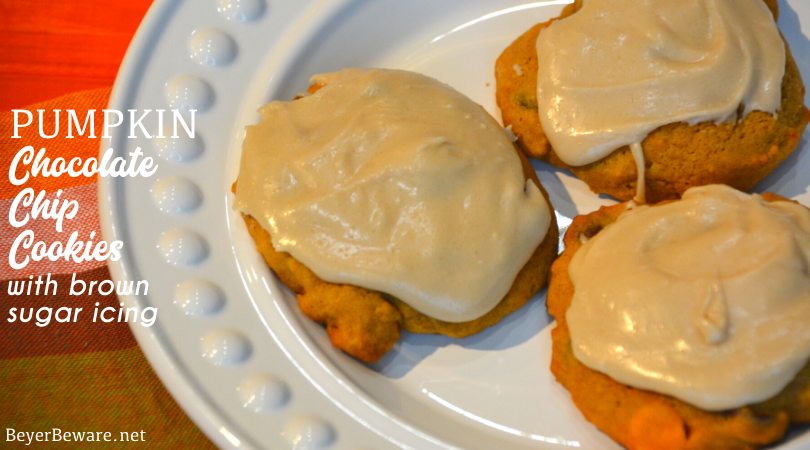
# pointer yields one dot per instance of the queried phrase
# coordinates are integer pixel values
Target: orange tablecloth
(83, 376)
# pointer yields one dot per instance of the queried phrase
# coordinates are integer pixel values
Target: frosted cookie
(694, 333)
(718, 118)
(387, 200)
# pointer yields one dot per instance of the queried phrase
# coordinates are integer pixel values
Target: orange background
(51, 48)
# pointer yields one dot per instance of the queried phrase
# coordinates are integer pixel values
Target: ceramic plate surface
(230, 343)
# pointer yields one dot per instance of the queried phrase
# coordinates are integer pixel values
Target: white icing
(618, 69)
(706, 299)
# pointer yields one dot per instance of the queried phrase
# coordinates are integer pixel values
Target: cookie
(643, 420)
(366, 323)
(677, 156)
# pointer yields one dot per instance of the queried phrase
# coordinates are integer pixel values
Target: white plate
(230, 343)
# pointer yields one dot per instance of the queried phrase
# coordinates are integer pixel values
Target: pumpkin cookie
(643, 420)
(366, 323)
(677, 156)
